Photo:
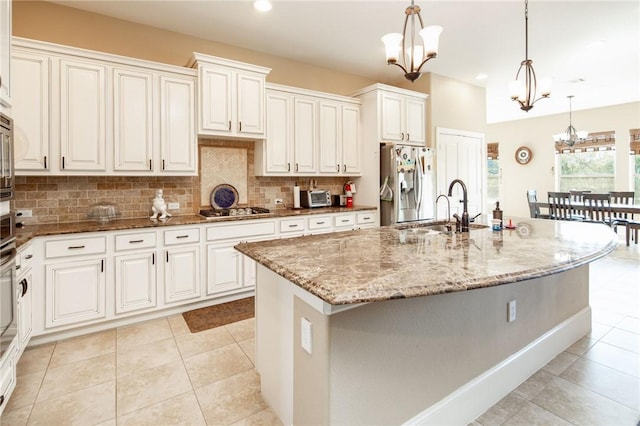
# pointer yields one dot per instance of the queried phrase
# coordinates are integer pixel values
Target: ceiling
(591, 49)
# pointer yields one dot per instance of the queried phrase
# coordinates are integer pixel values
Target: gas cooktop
(235, 211)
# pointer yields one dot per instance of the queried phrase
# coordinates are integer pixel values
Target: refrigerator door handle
(417, 184)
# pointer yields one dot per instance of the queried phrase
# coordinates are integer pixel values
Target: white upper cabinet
(83, 115)
(309, 133)
(89, 113)
(231, 97)
(31, 110)
(401, 113)
(5, 53)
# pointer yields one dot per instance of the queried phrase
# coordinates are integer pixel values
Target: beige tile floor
(158, 373)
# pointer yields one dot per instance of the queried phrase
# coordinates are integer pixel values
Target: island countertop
(413, 260)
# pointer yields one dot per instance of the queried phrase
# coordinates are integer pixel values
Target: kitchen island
(409, 324)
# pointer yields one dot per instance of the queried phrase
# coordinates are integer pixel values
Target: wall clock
(523, 155)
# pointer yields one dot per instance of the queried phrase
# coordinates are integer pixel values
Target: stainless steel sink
(441, 227)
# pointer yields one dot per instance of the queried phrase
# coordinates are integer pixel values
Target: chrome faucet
(448, 210)
(462, 223)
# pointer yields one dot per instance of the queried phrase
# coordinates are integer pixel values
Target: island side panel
(391, 361)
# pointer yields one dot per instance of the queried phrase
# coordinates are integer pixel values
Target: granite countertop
(27, 232)
(408, 261)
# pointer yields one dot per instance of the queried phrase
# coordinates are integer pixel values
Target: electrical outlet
(24, 213)
(279, 201)
(511, 311)
(173, 206)
(305, 338)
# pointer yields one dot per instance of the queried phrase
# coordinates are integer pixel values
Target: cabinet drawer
(321, 222)
(238, 231)
(7, 376)
(135, 241)
(344, 220)
(292, 225)
(26, 257)
(366, 218)
(181, 236)
(74, 247)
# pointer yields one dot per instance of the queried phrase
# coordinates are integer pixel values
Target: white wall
(536, 133)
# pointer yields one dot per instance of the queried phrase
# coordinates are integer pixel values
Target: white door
(392, 127)
(178, 134)
(305, 131)
(330, 158)
(224, 269)
(132, 120)
(279, 126)
(350, 140)
(460, 156)
(30, 111)
(216, 99)
(415, 110)
(182, 273)
(250, 102)
(82, 116)
(135, 281)
(74, 292)
(25, 320)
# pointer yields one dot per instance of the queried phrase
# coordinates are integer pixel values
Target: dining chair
(577, 197)
(534, 210)
(560, 205)
(597, 207)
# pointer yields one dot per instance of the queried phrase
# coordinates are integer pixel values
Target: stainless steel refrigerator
(409, 172)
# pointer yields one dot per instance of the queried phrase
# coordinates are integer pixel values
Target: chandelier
(571, 135)
(403, 47)
(525, 93)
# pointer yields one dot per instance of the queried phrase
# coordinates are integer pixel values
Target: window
(588, 166)
(634, 146)
(493, 174)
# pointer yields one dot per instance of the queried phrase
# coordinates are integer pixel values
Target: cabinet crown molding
(312, 93)
(201, 58)
(387, 88)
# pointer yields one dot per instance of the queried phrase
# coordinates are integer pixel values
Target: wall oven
(8, 302)
(6, 158)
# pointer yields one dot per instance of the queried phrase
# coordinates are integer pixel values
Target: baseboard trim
(475, 397)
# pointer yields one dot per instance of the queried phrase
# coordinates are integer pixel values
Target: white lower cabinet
(75, 292)
(224, 268)
(7, 375)
(135, 281)
(181, 273)
(24, 307)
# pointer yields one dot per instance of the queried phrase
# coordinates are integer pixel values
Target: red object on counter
(349, 201)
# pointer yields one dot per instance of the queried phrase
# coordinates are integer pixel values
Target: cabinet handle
(29, 256)
(366, 218)
(344, 220)
(18, 267)
(288, 167)
(25, 285)
(240, 126)
(182, 236)
(338, 168)
(163, 164)
(167, 257)
(102, 265)
(1, 396)
(344, 168)
(320, 223)
(150, 168)
(62, 163)
(296, 167)
(407, 136)
(402, 136)
(45, 162)
(135, 241)
(229, 125)
(153, 258)
(75, 247)
(293, 226)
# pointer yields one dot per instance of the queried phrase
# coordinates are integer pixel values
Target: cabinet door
(132, 120)
(249, 267)
(350, 140)
(82, 116)
(278, 143)
(330, 138)
(415, 117)
(25, 320)
(305, 130)
(224, 269)
(392, 127)
(216, 99)
(74, 292)
(177, 133)
(6, 82)
(135, 282)
(30, 111)
(250, 104)
(182, 274)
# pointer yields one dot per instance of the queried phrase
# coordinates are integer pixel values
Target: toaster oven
(315, 198)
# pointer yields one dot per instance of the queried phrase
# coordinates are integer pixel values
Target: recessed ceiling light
(262, 5)
(481, 76)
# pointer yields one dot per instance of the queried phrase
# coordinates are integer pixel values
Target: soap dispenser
(497, 213)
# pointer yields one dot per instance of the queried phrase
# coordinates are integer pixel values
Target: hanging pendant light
(402, 50)
(525, 93)
(570, 135)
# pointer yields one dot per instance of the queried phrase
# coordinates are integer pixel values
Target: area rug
(217, 315)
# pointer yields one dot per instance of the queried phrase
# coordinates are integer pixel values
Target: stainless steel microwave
(6, 158)
(315, 198)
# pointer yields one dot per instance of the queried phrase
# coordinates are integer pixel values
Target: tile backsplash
(55, 199)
